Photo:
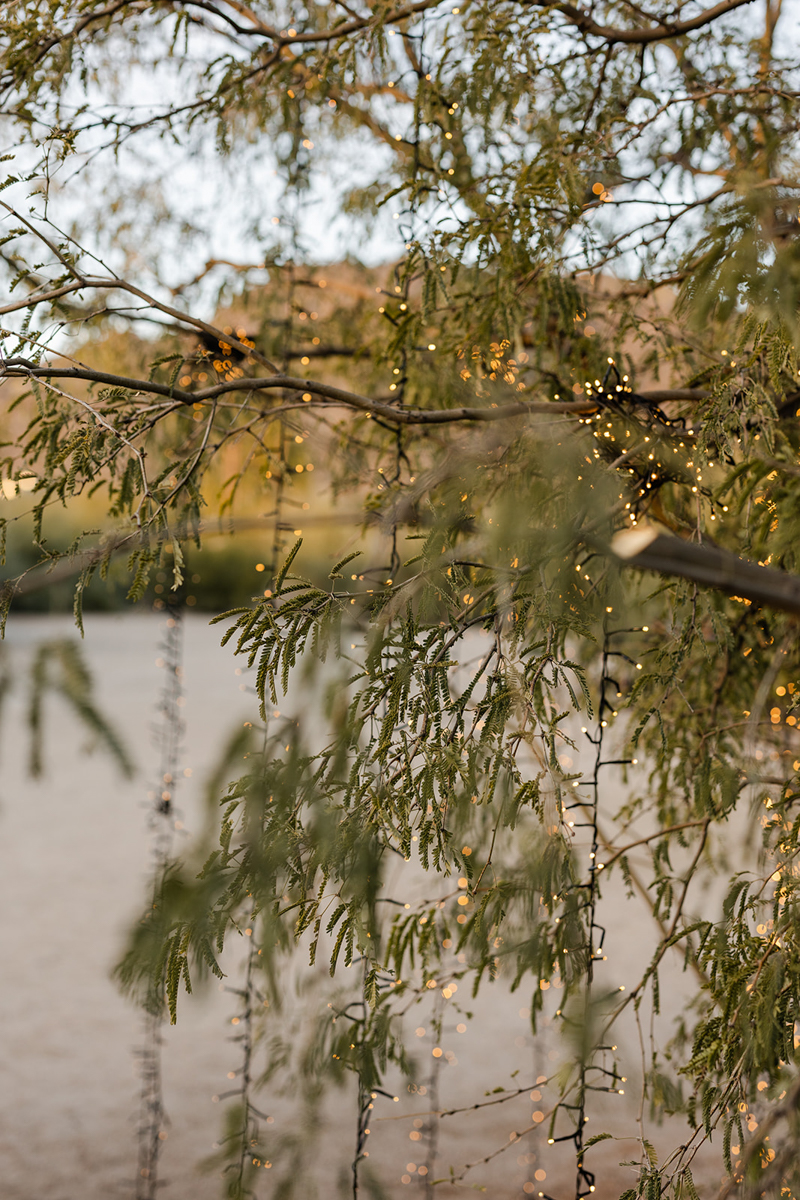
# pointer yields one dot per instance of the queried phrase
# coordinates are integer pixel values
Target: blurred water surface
(74, 853)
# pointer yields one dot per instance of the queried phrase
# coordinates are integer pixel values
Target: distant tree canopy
(589, 325)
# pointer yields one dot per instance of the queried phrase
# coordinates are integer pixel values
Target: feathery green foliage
(590, 324)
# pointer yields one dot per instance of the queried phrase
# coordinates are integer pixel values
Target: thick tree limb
(649, 550)
(640, 37)
(664, 395)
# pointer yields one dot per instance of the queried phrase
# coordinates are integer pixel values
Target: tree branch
(651, 837)
(648, 550)
(22, 368)
(639, 37)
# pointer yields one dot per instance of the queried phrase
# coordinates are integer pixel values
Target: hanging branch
(585, 1182)
(248, 1146)
(151, 1131)
(430, 1130)
(364, 1093)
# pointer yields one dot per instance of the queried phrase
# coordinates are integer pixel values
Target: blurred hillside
(242, 529)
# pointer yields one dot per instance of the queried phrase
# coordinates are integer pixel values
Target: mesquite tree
(589, 327)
